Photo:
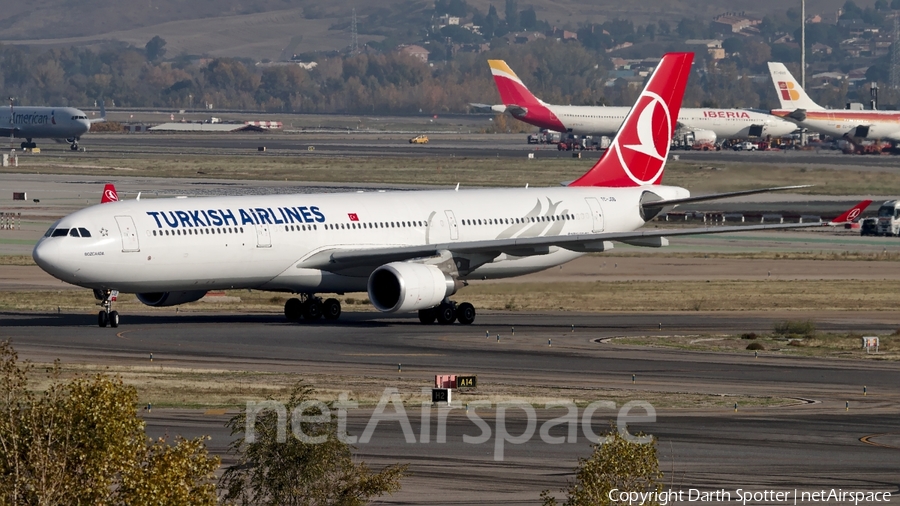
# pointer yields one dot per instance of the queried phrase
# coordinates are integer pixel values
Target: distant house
(819, 48)
(415, 51)
(447, 19)
(526, 37)
(561, 34)
(713, 47)
(734, 23)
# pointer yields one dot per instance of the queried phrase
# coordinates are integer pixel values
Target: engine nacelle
(403, 287)
(703, 136)
(166, 299)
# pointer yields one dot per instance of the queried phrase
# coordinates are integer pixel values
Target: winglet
(851, 214)
(109, 194)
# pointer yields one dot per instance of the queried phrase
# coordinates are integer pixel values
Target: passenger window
(61, 232)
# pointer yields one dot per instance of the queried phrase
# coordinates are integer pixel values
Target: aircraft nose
(49, 256)
(86, 124)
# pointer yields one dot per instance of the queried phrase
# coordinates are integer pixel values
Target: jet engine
(404, 286)
(166, 299)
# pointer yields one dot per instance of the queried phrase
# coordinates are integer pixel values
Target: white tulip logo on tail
(648, 142)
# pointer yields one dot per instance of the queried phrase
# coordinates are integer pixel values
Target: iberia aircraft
(603, 120)
(798, 107)
(409, 250)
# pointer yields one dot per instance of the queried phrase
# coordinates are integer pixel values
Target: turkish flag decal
(353, 216)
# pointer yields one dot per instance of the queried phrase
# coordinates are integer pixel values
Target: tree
(301, 472)
(155, 48)
(733, 45)
(512, 15)
(617, 463)
(81, 442)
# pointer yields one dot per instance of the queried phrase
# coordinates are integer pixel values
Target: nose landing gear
(106, 317)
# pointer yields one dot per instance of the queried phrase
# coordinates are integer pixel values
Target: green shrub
(755, 346)
(749, 335)
(796, 328)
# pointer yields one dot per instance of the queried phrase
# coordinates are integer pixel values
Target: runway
(465, 143)
(812, 442)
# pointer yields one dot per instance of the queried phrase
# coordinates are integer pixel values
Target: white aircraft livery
(410, 251)
(31, 123)
(604, 120)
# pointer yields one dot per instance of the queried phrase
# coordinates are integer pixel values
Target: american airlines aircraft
(410, 251)
(46, 123)
(602, 120)
(799, 108)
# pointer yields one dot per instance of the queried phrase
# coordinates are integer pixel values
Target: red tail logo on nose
(637, 155)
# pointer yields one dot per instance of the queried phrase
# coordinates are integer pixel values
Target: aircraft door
(596, 214)
(263, 236)
(454, 227)
(756, 131)
(129, 234)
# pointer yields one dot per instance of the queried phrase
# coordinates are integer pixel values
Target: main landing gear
(106, 318)
(311, 308)
(28, 144)
(447, 313)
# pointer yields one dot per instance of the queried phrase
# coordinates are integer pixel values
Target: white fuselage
(44, 122)
(726, 123)
(261, 242)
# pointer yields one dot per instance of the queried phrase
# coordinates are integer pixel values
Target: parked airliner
(410, 251)
(604, 120)
(31, 123)
(798, 107)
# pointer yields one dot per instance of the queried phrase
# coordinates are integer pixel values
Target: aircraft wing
(340, 259)
(656, 204)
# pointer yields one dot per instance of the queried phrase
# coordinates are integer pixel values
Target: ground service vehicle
(889, 218)
(419, 139)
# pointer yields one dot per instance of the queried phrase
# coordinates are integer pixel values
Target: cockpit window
(74, 233)
(84, 232)
(60, 232)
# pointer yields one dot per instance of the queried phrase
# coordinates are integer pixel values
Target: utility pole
(803, 44)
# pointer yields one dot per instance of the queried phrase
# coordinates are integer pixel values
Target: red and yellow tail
(637, 155)
(519, 101)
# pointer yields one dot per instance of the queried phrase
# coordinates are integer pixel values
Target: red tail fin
(109, 194)
(852, 213)
(637, 155)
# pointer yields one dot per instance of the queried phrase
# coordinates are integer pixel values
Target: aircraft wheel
(465, 313)
(427, 316)
(74, 147)
(446, 314)
(331, 309)
(293, 309)
(24, 145)
(313, 310)
(102, 319)
(113, 319)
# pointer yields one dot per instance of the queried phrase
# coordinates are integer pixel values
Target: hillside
(261, 29)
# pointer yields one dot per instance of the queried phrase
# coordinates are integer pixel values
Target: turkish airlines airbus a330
(409, 250)
(606, 120)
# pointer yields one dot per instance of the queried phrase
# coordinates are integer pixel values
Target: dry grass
(544, 171)
(195, 388)
(19, 260)
(818, 345)
(715, 295)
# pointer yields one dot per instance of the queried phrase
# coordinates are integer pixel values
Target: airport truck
(888, 218)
